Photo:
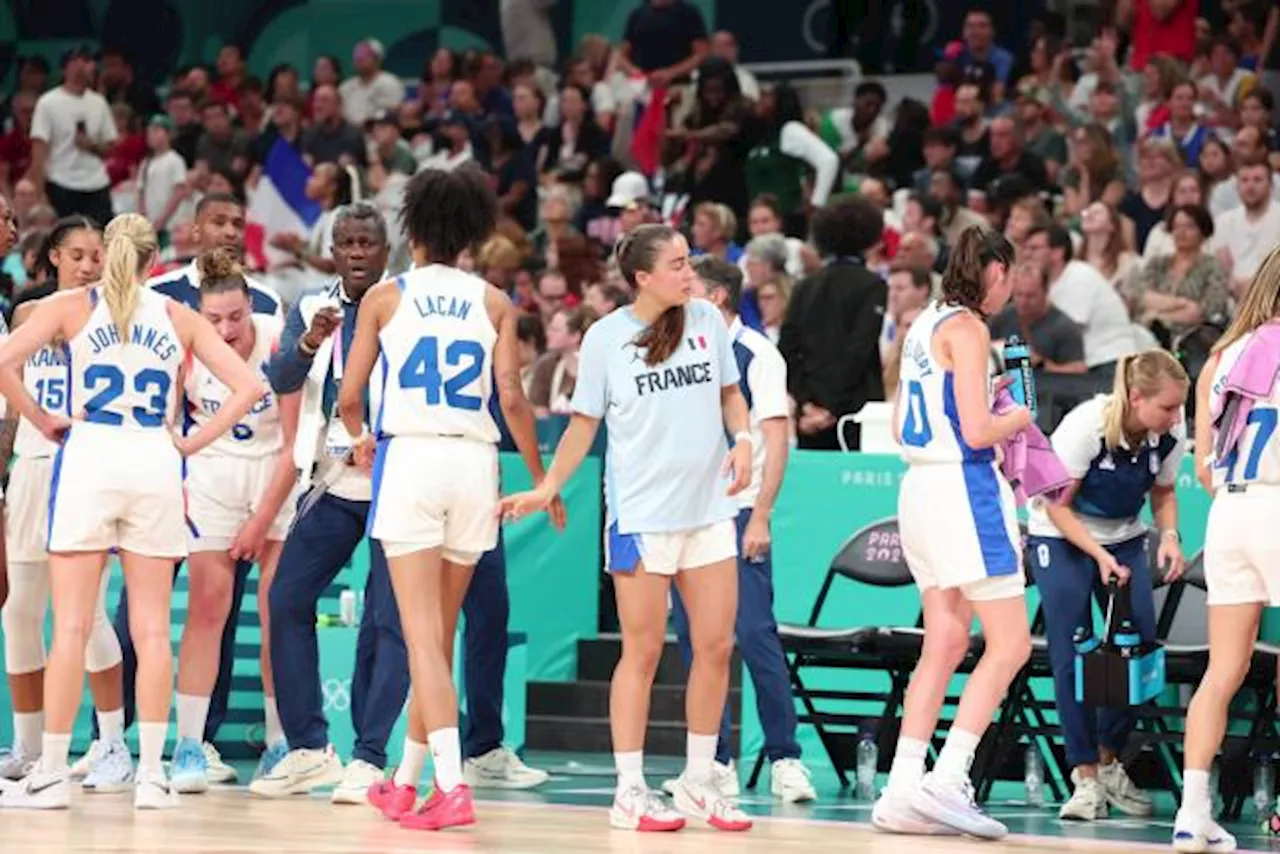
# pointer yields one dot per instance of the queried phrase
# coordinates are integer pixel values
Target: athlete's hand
(559, 516)
(738, 466)
(756, 539)
(249, 539)
(1109, 568)
(54, 427)
(1169, 555)
(524, 503)
(362, 454)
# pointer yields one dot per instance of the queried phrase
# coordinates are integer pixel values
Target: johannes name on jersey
(144, 336)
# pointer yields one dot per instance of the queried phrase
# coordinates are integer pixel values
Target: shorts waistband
(1242, 488)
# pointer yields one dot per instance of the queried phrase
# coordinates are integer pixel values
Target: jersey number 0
(422, 370)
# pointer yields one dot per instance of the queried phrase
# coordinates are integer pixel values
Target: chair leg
(755, 771)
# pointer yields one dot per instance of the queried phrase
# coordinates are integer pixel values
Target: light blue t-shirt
(666, 437)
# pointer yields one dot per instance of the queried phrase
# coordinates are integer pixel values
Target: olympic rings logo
(336, 694)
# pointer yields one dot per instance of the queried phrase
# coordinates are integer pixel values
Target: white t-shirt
(363, 101)
(764, 385)
(1247, 239)
(1087, 298)
(57, 114)
(159, 177)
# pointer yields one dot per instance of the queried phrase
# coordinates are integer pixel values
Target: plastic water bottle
(868, 764)
(1264, 781)
(1085, 640)
(1033, 776)
(1127, 637)
(1017, 364)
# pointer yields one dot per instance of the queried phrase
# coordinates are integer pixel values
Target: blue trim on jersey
(93, 298)
(744, 355)
(379, 462)
(66, 353)
(180, 288)
(382, 398)
(970, 455)
(54, 480)
(624, 551)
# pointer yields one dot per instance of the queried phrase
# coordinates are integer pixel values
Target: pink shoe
(454, 809)
(391, 800)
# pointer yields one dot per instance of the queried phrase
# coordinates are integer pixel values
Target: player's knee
(22, 621)
(947, 645)
(102, 652)
(209, 602)
(714, 650)
(642, 651)
(1223, 678)
(150, 637)
(1010, 649)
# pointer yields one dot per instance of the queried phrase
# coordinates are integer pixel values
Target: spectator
(455, 132)
(939, 145)
(772, 299)
(1042, 139)
(1188, 189)
(15, 145)
(1216, 162)
(1007, 156)
(513, 175)
(195, 80)
(1244, 235)
(714, 227)
(1185, 287)
(486, 80)
(162, 178)
(764, 217)
(436, 79)
(283, 82)
(849, 130)
(1104, 246)
(1223, 89)
(1025, 214)
(971, 121)
(391, 152)
(286, 124)
(222, 147)
(1081, 293)
(130, 148)
(576, 140)
(1187, 133)
(33, 77)
(1256, 109)
(576, 258)
(372, 91)
(330, 138)
(181, 108)
(1249, 146)
(325, 71)
(724, 44)
(528, 102)
(1102, 99)
(26, 198)
(330, 186)
(1053, 338)
(909, 289)
(531, 341)
(1158, 163)
(582, 73)
(1159, 27)
(556, 220)
(603, 297)
(71, 132)
(1158, 80)
(118, 84)
(594, 218)
(980, 48)
(714, 139)
(664, 40)
(551, 294)
(783, 153)
(829, 337)
(231, 74)
(555, 374)
(252, 113)
(497, 262)
(944, 185)
(764, 260)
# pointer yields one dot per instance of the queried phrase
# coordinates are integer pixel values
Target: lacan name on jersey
(442, 306)
(149, 337)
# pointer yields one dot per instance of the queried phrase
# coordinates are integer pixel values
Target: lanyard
(337, 354)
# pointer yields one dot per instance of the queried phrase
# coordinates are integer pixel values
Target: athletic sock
(957, 755)
(193, 711)
(411, 763)
(275, 729)
(111, 725)
(907, 769)
(630, 768)
(151, 739)
(446, 756)
(700, 754)
(28, 728)
(56, 748)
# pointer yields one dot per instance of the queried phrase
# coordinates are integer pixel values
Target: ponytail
(637, 252)
(131, 246)
(1144, 372)
(963, 282)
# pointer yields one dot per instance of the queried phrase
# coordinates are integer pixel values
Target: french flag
(279, 203)
(698, 342)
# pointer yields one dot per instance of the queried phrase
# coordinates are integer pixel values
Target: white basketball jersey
(130, 384)
(1256, 456)
(47, 377)
(438, 355)
(928, 419)
(258, 434)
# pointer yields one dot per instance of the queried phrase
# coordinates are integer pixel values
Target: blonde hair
(1261, 302)
(1143, 372)
(130, 247)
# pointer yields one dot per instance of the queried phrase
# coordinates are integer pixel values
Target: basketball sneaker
(300, 772)
(81, 767)
(1122, 793)
(391, 800)
(217, 771)
(111, 770)
(893, 813)
(14, 764)
(356, 782)
(455, 809)
(639, 808)
(702, 799)
(270, 758)
(501, 768)
(790, 781)
(153, 792)
(1087, 803)
(39, 790)
(1199, 834)
(952, 803)
(189, 767)
(726, 779)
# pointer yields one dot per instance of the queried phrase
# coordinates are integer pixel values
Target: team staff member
(1120, 449)
(8, 237)
(763, 380)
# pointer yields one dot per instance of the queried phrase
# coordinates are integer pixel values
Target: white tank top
(258, 434)
(1256, 457)
(928, 419)
(47, 377)
(438, 352)
(132, 384)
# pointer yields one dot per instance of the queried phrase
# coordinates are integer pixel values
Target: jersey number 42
(422, 370)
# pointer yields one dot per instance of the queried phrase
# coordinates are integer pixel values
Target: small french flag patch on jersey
(698, 343)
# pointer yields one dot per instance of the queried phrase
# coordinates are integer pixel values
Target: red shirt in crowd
(15, 149)
(125, 157)
(1175, 35)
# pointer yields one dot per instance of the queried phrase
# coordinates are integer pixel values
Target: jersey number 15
(422, 370)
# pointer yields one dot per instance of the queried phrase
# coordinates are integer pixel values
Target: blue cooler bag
(1121, 669)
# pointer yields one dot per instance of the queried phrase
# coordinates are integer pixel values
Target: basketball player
(1241, 545)
(967, 560)
(1119, 449)
(8, 237)
(662, 374)
(117, 484)
(237, 492)
(219, 225)
(434, 529)
(72, 254)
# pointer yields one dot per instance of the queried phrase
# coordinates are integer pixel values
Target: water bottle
(1264, 779)
(1085, 640)
(1126, 637)
(868, 764)
(347, 607)
(1033, 776)
(1017, 364)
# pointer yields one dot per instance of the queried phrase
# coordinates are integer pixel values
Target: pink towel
(1030, 464)
(1251, 378)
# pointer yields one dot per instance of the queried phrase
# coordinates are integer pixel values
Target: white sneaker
(359, 777)
(638, 808)
(111, 770)
(39, 790)
(501, 768)
(893, 813)
(14, 764)
(952, 803)
(152, 792)
(1200, 834)
(703, 800)
(791, 782)
(81, 767)
(1087, 803)
(1122, 793)
(299, 773)
(726, 780)
(217, 771)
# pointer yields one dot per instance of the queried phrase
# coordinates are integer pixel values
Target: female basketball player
(443, 336)
(662, 375)
(8, 237)
(1120, 449)
(1240, 549)
(967, 560)
(73, 254)
(237, 494)
(117, 483)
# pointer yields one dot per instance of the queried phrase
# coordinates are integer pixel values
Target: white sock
(111, 725)
(630, 768)
(411, 763)
(1196, 797)
(56, 748)
(957, 755)
(907, 769)
(192, 713)
(275, 730)
(151, 739)
(446, 756)
(28, 727)
(700, 753)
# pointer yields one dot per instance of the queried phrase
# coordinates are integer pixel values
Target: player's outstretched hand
(522, 504)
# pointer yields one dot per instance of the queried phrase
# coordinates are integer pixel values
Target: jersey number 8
(422, 370)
